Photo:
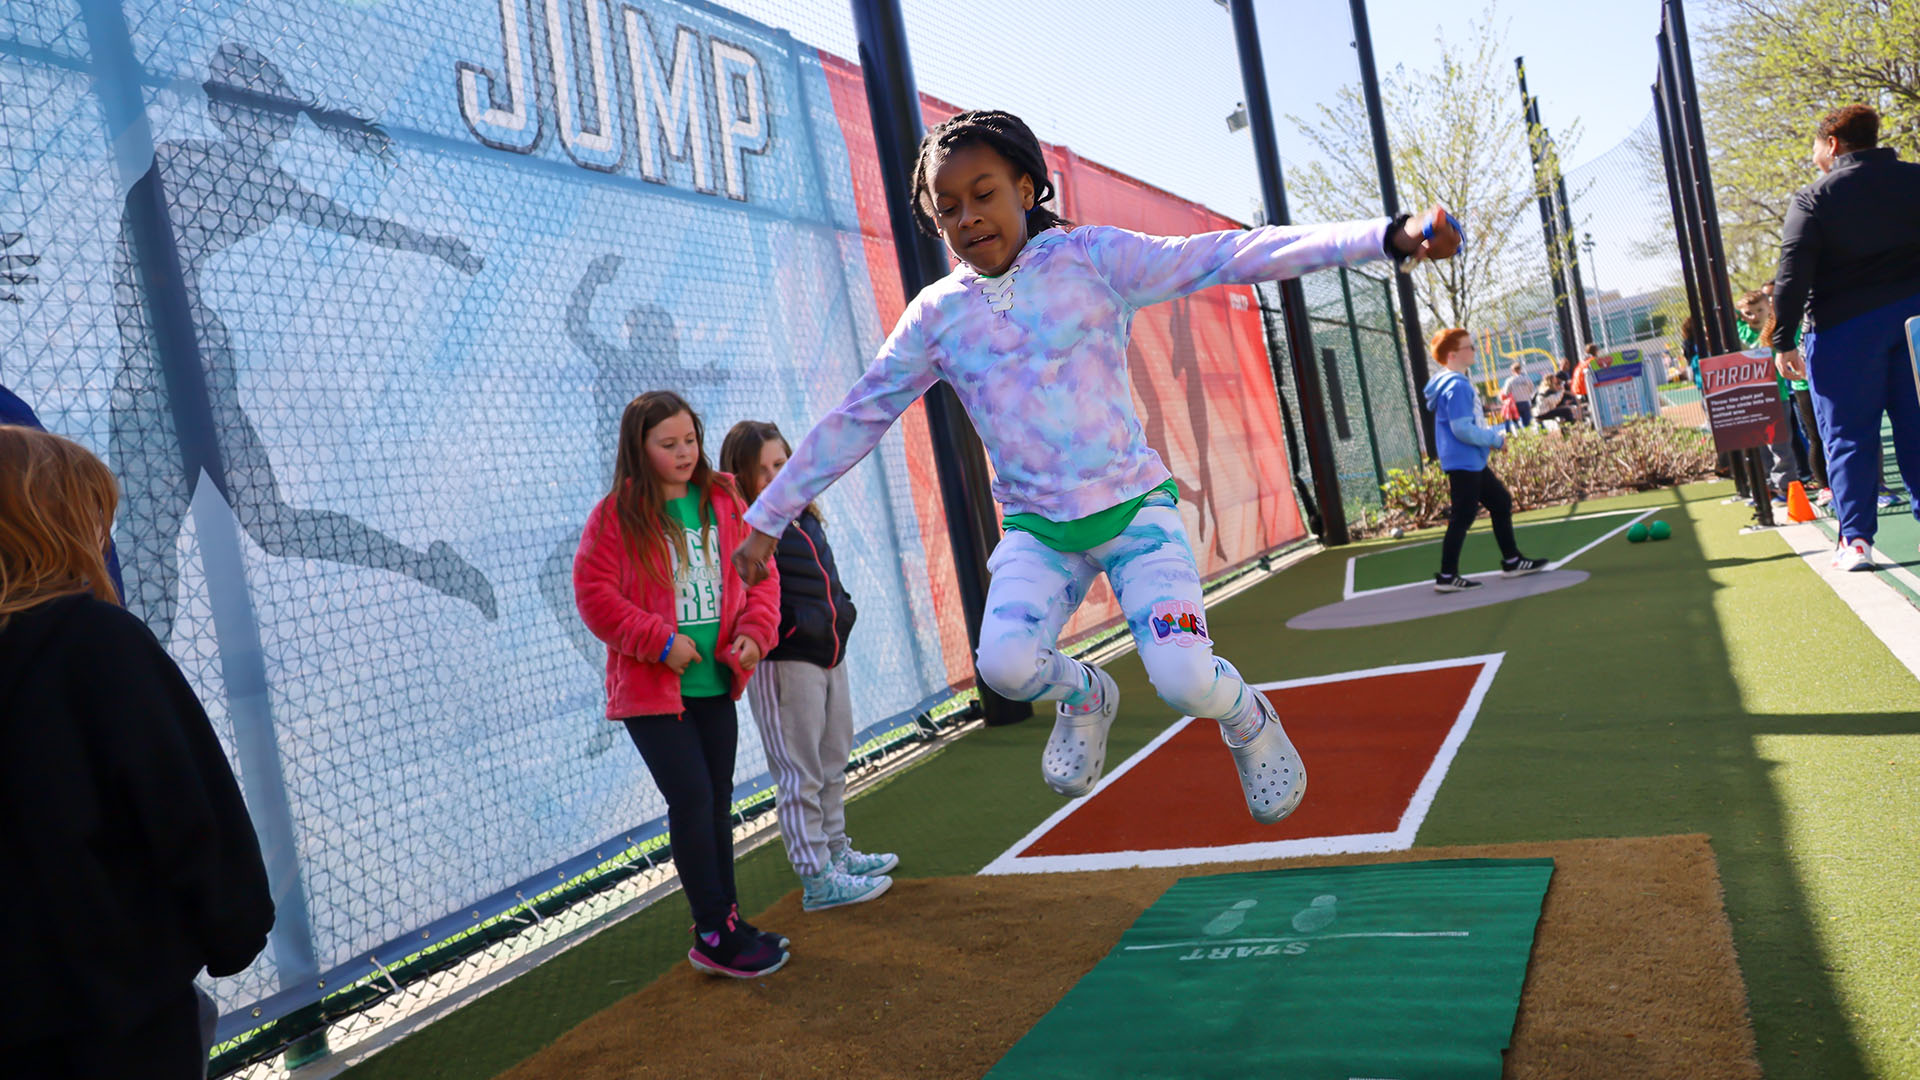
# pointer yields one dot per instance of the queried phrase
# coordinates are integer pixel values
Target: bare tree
(1457, 137)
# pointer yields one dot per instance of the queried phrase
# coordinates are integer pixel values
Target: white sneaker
(1272, 776)
(1077, 750)
(1855, 554)
(834, 887)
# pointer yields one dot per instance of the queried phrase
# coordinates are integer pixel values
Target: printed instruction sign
(1743, 400)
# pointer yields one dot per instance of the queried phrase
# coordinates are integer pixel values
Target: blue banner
(350, 296)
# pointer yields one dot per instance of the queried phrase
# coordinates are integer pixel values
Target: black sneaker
(735, 953)
(778, 941)
(1520, 567)
(1455, 583)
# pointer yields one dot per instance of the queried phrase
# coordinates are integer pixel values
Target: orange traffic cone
(1798, 508)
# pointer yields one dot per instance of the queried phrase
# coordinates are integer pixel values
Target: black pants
(691, 760)
(1810, 427)
(1562, 413)
(1471, 491)
(164, 1046)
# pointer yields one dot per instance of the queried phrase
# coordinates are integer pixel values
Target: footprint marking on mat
(1229, 920)
(1318, 915)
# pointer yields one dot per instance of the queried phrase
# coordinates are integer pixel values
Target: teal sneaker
(860, 864)
(834, 887)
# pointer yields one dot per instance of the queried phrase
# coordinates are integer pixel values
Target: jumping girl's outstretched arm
(1152, 269)
(901, 372)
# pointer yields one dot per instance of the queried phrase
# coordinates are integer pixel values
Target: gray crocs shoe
(1271, 773)
(1077, 750)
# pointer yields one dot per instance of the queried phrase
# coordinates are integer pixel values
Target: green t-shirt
(1751, 339)
(697, 588)
(1082, 534)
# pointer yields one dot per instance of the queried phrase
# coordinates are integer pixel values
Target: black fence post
(972, 526)
(1696, 184)
(1735, 464)
(1416, 350)
(1293, 298)
(1360, 373)
(1549, 222)
(1571, 248)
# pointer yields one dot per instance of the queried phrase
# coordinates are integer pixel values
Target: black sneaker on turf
(778, 941)
(1455, 583)
(1521, 566)
(735, 953)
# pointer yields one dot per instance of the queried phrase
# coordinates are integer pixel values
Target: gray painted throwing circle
(1420, 601)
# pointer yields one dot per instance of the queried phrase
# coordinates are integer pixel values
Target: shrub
(1547, 468)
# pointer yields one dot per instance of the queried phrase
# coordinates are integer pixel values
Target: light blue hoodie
(1464, 443)
(1038, 356)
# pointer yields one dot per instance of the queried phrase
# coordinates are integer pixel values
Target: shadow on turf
(1679, 751)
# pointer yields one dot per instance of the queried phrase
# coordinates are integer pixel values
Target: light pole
(1599, 297)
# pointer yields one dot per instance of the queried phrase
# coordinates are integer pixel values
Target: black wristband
(1394, 228)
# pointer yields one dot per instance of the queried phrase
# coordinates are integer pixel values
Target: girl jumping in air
(1031, 331)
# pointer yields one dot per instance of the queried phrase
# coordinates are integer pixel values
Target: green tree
(1768, 70)
(1456, 135)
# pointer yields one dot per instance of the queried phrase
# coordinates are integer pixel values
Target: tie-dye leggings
(1036, 589)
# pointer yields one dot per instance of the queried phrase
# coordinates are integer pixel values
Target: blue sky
(1145, 86)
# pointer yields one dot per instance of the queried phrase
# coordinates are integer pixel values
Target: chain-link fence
(1369, 410)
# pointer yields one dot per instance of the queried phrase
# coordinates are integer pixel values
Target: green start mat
(1401, 971)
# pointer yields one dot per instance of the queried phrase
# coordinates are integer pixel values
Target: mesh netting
(1368, 407)
(419, 292)
(1624, 223)
(350, 297)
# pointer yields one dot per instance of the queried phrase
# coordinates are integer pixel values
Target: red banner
(1202, 383)
(1743, 400)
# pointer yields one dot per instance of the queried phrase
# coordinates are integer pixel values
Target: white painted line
(1886, 613)
(1901, 573)
(1422, 801)
(1060, 815)
(1611, 533)
(1640, 515)
(1400, 839)
(1217, 942)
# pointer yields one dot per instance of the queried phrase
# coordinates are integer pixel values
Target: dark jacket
(816, 614)
(1851, 243)
(128, 859)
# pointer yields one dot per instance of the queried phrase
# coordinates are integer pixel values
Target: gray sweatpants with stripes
(806, 725)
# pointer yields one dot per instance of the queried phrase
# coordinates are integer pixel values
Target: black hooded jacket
(816, 614)
(1851, 244)
(126, 853)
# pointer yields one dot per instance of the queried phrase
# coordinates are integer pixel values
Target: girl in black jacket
(128, 857)
(799, 693)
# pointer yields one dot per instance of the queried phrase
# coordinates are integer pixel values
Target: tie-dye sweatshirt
(1038, 356)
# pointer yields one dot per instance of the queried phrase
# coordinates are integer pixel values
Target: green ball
(1636, 532)
(1659, 530)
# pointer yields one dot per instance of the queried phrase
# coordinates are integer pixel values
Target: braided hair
(1008, 136)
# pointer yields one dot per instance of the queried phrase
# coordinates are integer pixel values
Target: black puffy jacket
(128, 858)
(816, 614)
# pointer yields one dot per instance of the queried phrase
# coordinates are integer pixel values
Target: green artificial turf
(1709, 683)
(1551, 538)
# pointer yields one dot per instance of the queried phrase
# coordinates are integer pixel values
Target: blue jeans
(1857, 371)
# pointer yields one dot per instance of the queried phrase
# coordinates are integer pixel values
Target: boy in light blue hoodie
(1464, 448)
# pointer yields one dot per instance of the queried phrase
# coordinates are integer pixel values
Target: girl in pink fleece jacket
(683, 632)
